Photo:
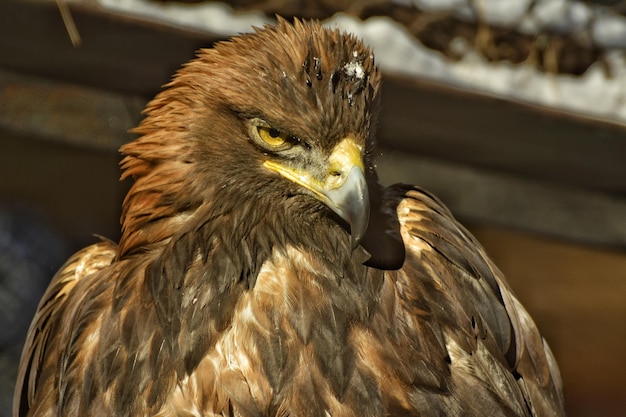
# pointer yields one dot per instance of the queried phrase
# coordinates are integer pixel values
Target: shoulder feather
(486, 328)
(82, 264)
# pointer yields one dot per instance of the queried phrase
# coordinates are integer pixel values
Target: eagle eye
(272, 136)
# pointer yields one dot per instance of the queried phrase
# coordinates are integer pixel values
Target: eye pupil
(274, 132)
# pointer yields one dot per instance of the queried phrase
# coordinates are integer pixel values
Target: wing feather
(84, 263)
(491, 340)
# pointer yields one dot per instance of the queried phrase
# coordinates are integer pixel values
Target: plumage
(262, 271)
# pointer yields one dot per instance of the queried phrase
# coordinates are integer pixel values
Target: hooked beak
(343, 188)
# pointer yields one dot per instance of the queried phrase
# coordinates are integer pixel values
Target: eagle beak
(343, 188)
(351, 202)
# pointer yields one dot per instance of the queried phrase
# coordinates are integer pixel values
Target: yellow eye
(272, 136)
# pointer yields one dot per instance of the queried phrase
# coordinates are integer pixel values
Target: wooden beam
(492, 198)
(453, 125)
(67, 113)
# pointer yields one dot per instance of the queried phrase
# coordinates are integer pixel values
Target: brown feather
(235, 292)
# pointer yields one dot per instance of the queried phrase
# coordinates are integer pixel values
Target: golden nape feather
(263, 271)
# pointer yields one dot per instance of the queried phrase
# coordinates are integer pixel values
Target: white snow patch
(501, 12)
(594, 94)
(434, 6)
(609, 31)
(354, 69)
(214, 17)
(598, 93)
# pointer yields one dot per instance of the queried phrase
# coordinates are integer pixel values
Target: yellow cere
(347, 153)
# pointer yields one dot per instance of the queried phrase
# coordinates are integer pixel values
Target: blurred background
(512, 111)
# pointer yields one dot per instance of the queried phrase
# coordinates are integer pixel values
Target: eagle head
(279, 120)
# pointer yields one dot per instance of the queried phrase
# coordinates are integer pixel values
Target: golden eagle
(262, 271)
